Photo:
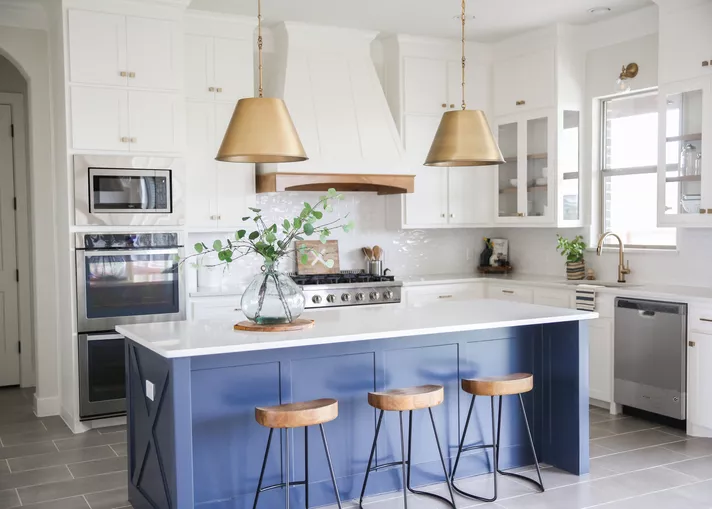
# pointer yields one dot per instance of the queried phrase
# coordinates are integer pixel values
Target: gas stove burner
(339, 278)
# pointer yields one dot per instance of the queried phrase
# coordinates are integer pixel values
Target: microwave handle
(103, 337)
(129, 252)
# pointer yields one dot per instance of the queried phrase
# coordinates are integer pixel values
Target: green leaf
(339, 196)
(331, 192)
(349, 226)
(273, 228)
(303, 248)
(246, 218)
(328, 207)
(330, 263)
(217, 245)
(257, 218)
(304, 258)
(307, 206)
(254, 235)
(221, 255)
(255, 210)
(198, 247)
(298, 237)
(317, 214)
(286, 224)
(270, 238)
(240, 234)
(297, 223)
(308, 229)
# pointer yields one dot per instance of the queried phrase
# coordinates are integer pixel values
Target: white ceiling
(495, 19)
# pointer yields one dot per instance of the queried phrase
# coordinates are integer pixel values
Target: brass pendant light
(464, 137)
(261, 129)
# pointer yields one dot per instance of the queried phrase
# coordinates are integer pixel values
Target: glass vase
(272, 297)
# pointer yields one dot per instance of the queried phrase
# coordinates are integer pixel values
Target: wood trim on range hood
(381, 184)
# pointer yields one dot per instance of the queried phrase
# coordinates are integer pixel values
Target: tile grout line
(86, 501)
(636, 431)
(643, 495)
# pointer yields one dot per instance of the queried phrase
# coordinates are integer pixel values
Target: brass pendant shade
(261, 131)
(464, 138)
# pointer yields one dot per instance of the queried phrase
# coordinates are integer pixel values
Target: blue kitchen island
(192, 388)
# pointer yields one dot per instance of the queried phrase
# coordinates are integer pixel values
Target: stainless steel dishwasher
(650, 356)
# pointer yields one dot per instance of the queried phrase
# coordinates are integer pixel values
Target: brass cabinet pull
(708, 320)
(709, 211)
(444, 296)
(706, 63)
(520, 214)
(218, 90)
(123, 74)
(219, 218)
(691, 343)
(703, 211)
(211, 89)
(124, 139)
(132, 140)
(444, 105)
(132, 75)
(521, 103)
(452, 105)
(508, 291)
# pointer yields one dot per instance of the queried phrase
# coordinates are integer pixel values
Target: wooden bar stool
(509, 385)
(296, 415)
(400, 400)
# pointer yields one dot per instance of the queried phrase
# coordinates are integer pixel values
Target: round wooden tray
(298, 324)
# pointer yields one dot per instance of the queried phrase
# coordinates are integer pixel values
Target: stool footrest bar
(282, 485)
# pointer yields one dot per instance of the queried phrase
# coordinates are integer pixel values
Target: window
(629, 171)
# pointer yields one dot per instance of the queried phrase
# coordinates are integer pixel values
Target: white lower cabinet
(699, 377)
(554, 298)
(600, 352)
(511, 293)
(208, 308)
(424, 295)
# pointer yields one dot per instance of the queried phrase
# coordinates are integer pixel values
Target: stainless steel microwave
(128, 191)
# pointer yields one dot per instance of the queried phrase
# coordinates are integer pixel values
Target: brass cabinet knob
(132, 75)
(444, 105)
(521, 103)
(211, 89)
(124, 139)
(703, 211)
(132, 140)
(218, 90)
(452, 105)
(691, 343)
(706, 63)
(123, 74)
(452, 216)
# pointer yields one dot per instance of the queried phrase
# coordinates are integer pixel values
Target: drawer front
(421, 295)
(554, 298)
(211, 310)
(701, 319)
(512, 293)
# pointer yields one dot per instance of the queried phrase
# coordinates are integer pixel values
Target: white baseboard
(74, 424)
(44, 407)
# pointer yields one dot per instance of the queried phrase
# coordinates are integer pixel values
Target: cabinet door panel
(477, 85)
(152, 53)
(425, 84)
(154, 121)
(235, 182)
(530, 78)
(470, 198)
(97, 47)
(199, 67)
(600, 351)
(685, 42)
(99, 118)
(201, 167)
(233, 69)
(699, 384)
(428, 204)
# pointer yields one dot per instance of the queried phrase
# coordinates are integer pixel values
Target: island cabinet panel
(194, 441)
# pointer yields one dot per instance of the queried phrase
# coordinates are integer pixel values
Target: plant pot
(272, 298)
(576, 271)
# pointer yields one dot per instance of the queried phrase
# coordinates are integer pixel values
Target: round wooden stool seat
(410, 398)
(297, 415)
(506, 385)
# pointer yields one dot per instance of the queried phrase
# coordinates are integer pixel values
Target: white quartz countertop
(194, 338)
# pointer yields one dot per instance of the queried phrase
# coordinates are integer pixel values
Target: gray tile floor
(635, 465)
(43, 465)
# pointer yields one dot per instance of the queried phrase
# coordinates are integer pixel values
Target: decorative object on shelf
(261, 129)
(590, 274)
(298, 324)
(500, 252)
(321, 258)
(486, 253)
(628, 73)
(375, 264)
(573, 250)
(273, 297)
(688, 156)
(464, 137)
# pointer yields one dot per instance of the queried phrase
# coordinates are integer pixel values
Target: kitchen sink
(607, 284)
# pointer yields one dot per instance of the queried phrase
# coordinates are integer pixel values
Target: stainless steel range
(349, 288)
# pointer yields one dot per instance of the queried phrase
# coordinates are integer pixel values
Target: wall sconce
(628, 73)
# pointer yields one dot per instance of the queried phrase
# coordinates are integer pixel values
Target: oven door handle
(103, 337)
(129, 252)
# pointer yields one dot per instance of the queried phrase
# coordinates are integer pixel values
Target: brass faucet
(623, 268)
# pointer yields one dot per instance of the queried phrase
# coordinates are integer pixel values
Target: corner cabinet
(539, 183)
(684, 168)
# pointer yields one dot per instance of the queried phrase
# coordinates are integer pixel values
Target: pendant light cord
(259, 42)
(463, 55)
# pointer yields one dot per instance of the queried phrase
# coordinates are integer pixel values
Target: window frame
(639, 170)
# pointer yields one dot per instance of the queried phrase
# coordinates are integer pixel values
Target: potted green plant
(272, 297)
(573, 250)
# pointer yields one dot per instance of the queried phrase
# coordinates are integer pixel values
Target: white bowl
(541, 181)
(513, 182)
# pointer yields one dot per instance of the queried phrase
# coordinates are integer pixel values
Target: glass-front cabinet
(684, 174)
(531, 186)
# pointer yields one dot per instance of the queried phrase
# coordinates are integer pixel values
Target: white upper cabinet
(425, 85)
(477, 86)
(685, 45)
(470, 195)
(113, 49)
(218, 69)
(525, 83)
(154, 121)
(152, 53)
(97, 48)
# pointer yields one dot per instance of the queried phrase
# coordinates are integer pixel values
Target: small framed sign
(321, 258)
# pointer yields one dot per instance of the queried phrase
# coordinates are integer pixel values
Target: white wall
(28, 50)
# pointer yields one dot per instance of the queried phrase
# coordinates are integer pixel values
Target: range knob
(346, 297)
(316, 299)
(373, 295)
(330, 298)
(388, 295)
(360, 297)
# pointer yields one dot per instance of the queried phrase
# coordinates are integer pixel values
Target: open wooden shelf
(686, 178)
(685, 137)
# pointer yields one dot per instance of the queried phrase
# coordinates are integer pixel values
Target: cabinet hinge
(12, 130)
(19, 347)
(17, 275)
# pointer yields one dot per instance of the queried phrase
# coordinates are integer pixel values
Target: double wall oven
(121, 279)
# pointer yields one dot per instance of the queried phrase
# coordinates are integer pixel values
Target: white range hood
(329, 83)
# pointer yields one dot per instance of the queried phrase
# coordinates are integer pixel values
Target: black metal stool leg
(306, 467)
(462, 441)
(262, 472)
(410, 449)
(331, 466)
(370, 459)
(286, 468)
(403, 462)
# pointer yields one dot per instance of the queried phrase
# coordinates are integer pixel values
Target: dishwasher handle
(648, 308)
(646, 313)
